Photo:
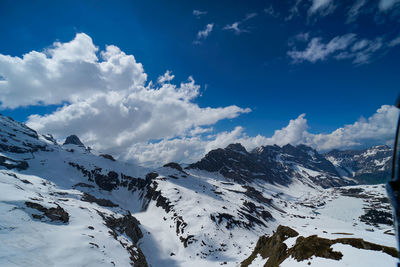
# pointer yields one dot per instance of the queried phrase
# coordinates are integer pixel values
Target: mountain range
(69, 205)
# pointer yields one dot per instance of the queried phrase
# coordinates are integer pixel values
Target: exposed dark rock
(83, 185)
(306, 247)
(99, 201)
(13, 164)
(111, 181)
(362, 244)
(274, 248)
(107, 156)
(187, 240)
(151, 176)
(50, 138)
(259, 211)
(374, 217)
(54, 214)
(229, 219)
(134, 183)
(352, 192)
(129, 226)
(174, 165)
(107, 182)
(251, 192)
(86, 173)
(73, 140)
(273, 164)
(161, 201)
(180, 225)
(136, 255)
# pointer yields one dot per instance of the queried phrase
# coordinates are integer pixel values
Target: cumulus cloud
(348, 46)
(111, 106)
(66, 72)
(377, 129)
(107, 99)
(113, 121)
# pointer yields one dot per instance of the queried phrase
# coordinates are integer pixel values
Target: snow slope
(187, 216)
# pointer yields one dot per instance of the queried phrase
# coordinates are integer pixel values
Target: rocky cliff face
(73, 140)
(272, 164)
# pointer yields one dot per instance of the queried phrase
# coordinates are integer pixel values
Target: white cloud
(377, 129)
(270, 11)
(323, 7)
(316, 50)
(198, 13)
(355, 10)
(113, 121)
(112, 109)
(66, 72)
(203, 34)
(167, 77)
(303, 36)
(394, 42)
(249, 16)
(360, 51)
(294, 11)
(108, 104)
(235, 27)
(385, 5)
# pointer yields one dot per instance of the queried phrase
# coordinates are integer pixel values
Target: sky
(159, 81)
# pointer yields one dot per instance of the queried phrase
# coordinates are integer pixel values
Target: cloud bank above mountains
(109, 103)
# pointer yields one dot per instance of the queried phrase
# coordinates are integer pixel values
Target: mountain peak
(73, 140)
(236, 147)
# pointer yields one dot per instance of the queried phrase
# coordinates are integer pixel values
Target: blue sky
(333, 61)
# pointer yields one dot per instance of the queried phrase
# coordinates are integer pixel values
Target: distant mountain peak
(273, 164)
(73, 140)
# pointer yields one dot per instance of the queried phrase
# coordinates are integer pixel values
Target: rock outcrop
(73, 140)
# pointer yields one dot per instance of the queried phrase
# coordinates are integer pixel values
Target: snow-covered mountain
(67, 205)
(273, 164)
(372, 165)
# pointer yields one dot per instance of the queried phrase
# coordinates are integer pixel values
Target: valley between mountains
(68, 205)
